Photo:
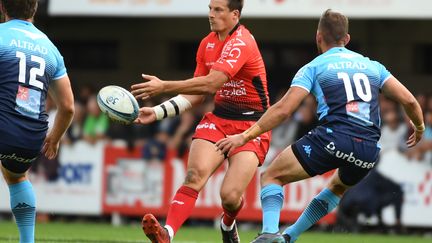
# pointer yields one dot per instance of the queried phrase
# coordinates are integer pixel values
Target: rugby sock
(229, 217)
(272, 197)
(181, 207)
(23, 204)
(320, 206)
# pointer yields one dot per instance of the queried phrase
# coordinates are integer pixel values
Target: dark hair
(333, 26)
(20, 9)
(235, 5)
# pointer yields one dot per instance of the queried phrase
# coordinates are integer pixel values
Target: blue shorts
(17, 160)
(323, 149)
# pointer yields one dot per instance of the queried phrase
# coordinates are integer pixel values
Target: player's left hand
(151, 87)
(229, 143)
(415, 137)
(50, 147)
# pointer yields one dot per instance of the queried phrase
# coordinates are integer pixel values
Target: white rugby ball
(118, 103)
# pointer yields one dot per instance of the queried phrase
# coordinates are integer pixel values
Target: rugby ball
(118, 103)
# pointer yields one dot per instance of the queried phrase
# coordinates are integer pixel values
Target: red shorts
(213, 128)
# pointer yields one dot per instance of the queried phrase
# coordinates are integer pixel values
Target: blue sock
(320, 206)
(23, 204)
(272, 197)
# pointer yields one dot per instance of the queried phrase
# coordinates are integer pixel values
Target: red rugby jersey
(245, 95)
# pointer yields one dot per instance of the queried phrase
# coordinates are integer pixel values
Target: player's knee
(338, 188)
(193, 178)
(230, 199)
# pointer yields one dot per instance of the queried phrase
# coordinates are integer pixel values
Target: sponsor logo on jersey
(331, 149)
(31, 35)
(210, 45)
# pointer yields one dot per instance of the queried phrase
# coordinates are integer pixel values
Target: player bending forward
(346, 86)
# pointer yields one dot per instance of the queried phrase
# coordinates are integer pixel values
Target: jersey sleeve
(60, 70)
(234, 55)
(304, 78)
(384, 74)
(201, 69)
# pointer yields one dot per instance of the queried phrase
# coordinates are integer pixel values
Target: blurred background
(116, 173)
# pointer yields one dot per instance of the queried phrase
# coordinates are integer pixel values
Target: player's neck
(325, 48)
(7, 18)
(224, 34)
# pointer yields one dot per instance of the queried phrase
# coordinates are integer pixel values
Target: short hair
(333, 26)
(235, 5)
(20, 9)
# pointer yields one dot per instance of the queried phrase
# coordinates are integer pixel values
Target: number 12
(34, 71)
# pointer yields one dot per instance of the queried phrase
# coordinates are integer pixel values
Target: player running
(230, 67)
(346, 86)
(30, 65)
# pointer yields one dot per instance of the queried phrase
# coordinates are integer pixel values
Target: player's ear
(318, 37)
(236, 13)
(347, 39)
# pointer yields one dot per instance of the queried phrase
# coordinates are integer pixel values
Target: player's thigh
(203, 161)
(285, 168)
(242, 168)
(15, 162)
(336, 185)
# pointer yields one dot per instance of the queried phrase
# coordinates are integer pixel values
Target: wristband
(420, 128)
(172, 107)
(253, 132)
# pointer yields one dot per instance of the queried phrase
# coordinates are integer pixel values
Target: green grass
(104, 233)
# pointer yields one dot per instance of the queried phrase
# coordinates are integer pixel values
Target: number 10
(358, 78)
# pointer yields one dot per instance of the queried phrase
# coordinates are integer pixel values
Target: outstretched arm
(275, 115)
(395, 90)
(202, 85)
(172, 107)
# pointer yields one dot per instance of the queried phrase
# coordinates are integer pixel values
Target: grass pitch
(104, 233)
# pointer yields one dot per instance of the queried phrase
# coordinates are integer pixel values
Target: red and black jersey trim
(259, 87)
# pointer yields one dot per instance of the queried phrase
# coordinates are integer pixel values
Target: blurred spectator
(369, 197)
(75, 131)
(84, 93)
(96, 123)
(423, 150)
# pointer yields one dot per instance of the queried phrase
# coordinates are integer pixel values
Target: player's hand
(229, 143)
(50, 147)
(146, 116)
(152, 86)
(415, 137)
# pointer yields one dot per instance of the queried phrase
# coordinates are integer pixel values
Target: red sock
(181, 207)
(229, 216)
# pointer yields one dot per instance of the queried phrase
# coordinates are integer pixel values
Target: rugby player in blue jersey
(30, 67)
(346, 86)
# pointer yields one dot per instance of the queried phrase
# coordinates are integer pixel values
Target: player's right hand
(50, 147)
(146, 116)
(415, 137)
(228, 144)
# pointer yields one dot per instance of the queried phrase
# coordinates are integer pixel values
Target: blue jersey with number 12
(346, 86)
(29, 62)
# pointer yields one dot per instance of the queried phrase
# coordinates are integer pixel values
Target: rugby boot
(231, 236)
(269, 238)
(153, 230)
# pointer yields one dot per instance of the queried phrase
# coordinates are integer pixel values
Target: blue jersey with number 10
(29, 61)
(346, 86)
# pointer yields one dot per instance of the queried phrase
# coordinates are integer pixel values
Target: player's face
(220, 17)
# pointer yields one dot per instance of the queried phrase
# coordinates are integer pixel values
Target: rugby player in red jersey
(230, 67)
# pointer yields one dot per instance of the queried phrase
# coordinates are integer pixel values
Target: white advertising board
(78, 187)
(252, 8)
